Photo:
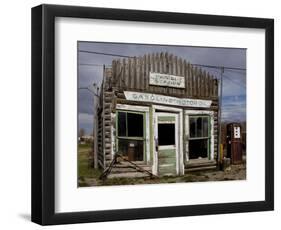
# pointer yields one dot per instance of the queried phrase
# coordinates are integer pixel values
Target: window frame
(202, 138)
(117, 137)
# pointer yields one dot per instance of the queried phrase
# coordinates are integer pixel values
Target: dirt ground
(234, 172)
(87, 176)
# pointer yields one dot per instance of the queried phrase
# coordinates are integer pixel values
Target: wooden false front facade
(160, 112)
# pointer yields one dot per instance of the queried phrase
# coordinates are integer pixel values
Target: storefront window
(199, 139)
(130, 135)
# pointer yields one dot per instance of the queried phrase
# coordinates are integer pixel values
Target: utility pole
(220, 150)
(95, 129)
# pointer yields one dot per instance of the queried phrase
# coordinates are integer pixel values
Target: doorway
(167, 143)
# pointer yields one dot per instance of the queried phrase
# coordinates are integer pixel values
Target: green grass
(85, 171)
(86, 146)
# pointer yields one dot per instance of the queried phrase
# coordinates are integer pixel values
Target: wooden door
(167, 143)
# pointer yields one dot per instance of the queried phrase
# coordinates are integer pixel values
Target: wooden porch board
(128, 175)
(200, 168)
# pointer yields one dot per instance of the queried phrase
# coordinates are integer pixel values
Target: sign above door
(166, 80)
(167, 100)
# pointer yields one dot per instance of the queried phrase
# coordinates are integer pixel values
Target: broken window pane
(135, 125)
(199, 127)
(198, 148)
(166, 134)
(122, 124)
(205, 127)
(192, 123)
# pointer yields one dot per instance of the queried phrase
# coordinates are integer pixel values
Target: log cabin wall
(132, 74)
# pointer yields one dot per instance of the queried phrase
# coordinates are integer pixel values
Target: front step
(200, 165)
(126, 170)
(127, 175)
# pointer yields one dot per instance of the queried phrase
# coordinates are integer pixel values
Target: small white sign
(167, 100)
(166, 80)
(237, 132)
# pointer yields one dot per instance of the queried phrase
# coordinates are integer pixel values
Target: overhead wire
(195, 64)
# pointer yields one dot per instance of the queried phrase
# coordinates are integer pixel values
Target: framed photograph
(143, 114)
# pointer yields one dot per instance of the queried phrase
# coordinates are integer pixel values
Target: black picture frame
(43, 114)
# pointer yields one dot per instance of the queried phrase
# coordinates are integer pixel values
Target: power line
(239, 84)
(236, 71)
(218, 67)
(93, 65)
(230, 79)
(106, 54)
(89, 90)
(195, 64)
(90, 64)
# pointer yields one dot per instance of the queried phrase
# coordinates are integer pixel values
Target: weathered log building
(159, 112)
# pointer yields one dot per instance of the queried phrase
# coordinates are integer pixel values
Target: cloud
(234, 108)
(234, 82)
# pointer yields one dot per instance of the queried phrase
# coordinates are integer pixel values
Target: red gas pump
(234, 143)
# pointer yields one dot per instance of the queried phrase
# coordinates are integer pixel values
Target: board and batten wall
(132, 74)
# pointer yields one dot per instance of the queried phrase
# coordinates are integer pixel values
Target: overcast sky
(90, 70)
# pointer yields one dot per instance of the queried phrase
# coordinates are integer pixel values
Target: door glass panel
(166, 134)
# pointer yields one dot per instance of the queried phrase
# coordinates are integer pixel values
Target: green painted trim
(129, 111)
(171, 166)
(126, 124)
(168, 160)
(151, 130)
(167, 156)
(132, 138)
(198, 138)
(167, 170)
(116, 132)
(200, 115)
(209, 140)
(166, 118)
(163, 153)
(184, 138)
(144, 136)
